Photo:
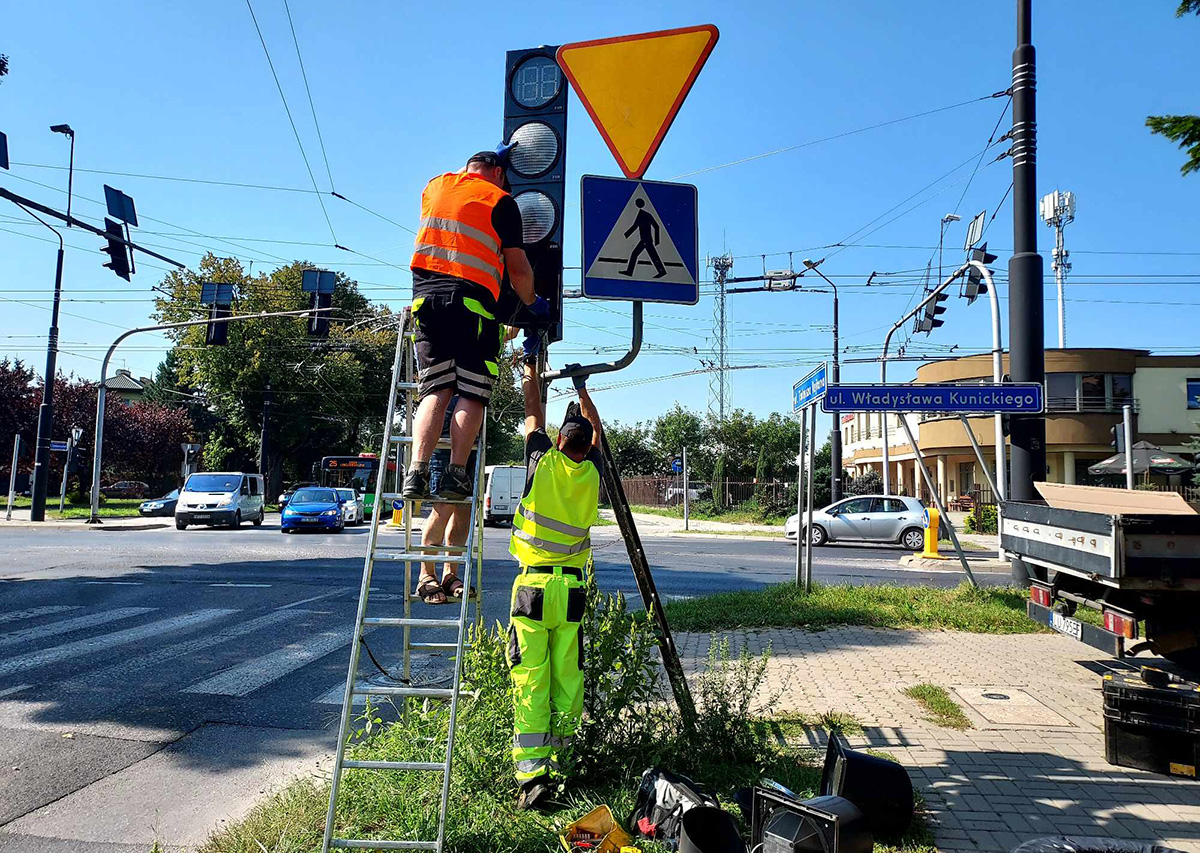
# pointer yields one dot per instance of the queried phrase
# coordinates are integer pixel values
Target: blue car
(313, 508)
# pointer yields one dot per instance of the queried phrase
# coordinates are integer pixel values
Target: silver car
(866, 518)
(353, 511)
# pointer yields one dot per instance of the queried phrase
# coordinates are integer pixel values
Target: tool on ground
(397, 450)
(596, 831)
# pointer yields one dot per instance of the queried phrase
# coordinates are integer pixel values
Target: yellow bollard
(931, 519)
(398, 514)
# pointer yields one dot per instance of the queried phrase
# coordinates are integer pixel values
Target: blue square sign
(640, 240)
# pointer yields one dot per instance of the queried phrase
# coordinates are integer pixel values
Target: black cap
(576, 430)
(498, 157)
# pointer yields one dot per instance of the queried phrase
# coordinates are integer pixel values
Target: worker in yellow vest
(471, 231)
(551, 540)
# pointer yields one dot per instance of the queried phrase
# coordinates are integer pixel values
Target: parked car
(502, 492)
(216, 497)
(353, 510)
(160, 506)
(866, 518)
(291, 490)
(674, 494)
(125, 489)
(315, 508)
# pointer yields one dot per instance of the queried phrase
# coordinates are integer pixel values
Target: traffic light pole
(41, 463)
(1026, 320)
(624, 361)
(101, 394)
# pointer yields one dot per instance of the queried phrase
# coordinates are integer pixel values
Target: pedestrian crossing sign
(640, 240)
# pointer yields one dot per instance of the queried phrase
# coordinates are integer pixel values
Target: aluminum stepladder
(402, 401)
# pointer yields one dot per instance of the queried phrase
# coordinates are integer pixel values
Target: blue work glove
(540, 308)
(531, 346)
(579, 380)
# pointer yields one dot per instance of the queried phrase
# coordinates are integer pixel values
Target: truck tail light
(487, 502)
(1119, 623)
(1040, 595)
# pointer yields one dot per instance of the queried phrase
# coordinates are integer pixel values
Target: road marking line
(113, 583)
(314, 598)
(120, 671)
(250, 585)
(334, 696)
(9, 691)
(32, 612)
(108, 641)
(65, 626)
(253, 674)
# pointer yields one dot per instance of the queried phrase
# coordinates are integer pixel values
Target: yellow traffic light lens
(537, 150)
(538, 215)
(536, 82)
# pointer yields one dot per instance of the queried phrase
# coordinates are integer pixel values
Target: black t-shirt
(537, 444)
(506, 220)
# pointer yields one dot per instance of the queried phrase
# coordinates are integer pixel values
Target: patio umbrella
(1146, 457)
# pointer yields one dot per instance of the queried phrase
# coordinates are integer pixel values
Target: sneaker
(535, 794)
(456, 485)
(416, 485)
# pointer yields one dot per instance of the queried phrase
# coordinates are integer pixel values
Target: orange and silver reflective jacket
(456, 237)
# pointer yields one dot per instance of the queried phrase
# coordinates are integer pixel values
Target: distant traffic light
(219, 298)
(1118, 438)
(975, 285)
(319, 285)
(928, 319)
(116, 250)
(535, 117)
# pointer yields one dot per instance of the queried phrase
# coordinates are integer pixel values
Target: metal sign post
(686, 503)
(800, 496)
(1127, 425)
(806, 394)
(12, 477)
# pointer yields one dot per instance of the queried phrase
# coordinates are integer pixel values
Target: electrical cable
(308, 91)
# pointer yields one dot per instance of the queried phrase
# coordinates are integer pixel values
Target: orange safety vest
(456, 237)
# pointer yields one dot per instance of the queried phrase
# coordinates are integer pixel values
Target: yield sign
(632, 86)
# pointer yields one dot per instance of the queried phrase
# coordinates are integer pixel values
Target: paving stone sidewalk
(1032, 765)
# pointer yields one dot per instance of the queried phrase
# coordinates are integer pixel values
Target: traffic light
(116, 250)
(1118, 438)
(219, 299)
(535, 117)
(928, 319)
(319, 285)
(975, 285)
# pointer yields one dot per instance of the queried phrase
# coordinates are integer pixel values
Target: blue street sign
(1025, 398)
(318, 281)
(58, 447)
(640, 240)
(397, 504)
(677, 465)
(810, 389)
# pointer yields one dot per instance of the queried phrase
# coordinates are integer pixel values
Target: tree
(633, 449)
(1183, 130)
(3, 65)
(675, 430)
(868, 483)
(505, 413)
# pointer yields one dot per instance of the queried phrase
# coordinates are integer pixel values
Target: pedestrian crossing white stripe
(9, 691)
(78, 648)
(65, 626)
(334, 695)
(253, 674)
(120, 671)
(34, 612)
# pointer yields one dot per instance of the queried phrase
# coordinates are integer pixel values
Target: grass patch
(110, 508)
(733, 516)
(943, 710)
(983, 611)
(765, 534)
(794, 726)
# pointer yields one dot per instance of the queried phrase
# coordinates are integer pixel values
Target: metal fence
(668, 491)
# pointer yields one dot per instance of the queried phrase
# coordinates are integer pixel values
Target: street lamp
(65, 130)
(835, 436)
(946, 220)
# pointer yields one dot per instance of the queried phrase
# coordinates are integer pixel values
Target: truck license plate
(1066, 625)
(203, 516)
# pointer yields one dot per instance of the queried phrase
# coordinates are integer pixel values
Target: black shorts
(458, 342)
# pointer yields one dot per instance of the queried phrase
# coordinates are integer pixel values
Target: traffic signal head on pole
(319, 285)
(975, 285)
(116, 249)
(928, 319)
(1118, 438)
(219, 298)
(535, 118)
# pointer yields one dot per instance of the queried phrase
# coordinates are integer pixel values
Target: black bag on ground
(663, 798)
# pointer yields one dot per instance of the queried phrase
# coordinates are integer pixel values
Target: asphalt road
(152, 682)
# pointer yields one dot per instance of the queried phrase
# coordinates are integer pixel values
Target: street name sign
(1023, 398)
(633, 86)
(811, 388)
(58, 447)
(641, 240)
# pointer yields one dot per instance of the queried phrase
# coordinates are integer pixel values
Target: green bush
(987, 522)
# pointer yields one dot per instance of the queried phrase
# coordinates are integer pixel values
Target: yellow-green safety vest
(553, 521)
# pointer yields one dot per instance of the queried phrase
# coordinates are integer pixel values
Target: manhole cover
(1009, 707)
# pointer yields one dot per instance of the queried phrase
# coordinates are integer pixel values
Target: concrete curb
(81, 525)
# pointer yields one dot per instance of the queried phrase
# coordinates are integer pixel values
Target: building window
(1193, 393)
(1122, 389)
(1091, 393)
(1062, 392)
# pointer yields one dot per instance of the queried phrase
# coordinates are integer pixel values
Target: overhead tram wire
(308, 91)
(291, 121)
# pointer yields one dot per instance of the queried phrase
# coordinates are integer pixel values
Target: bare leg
(456, 533)
(468, 417)
(432, 535)
(428, 424)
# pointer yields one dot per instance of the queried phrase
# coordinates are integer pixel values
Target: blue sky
(406, 91)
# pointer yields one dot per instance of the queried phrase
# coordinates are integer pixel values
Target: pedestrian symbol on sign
(645, 225)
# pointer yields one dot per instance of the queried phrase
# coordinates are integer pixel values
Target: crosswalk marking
(32, 612)
(121, 670)
(67, 625)
(253, 674)
(9, 691)
(85, 646)
(334, 695)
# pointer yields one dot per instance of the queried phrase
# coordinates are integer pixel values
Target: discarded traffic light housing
(880, 788)
(975, 285)
(535, 117)
(118, 255)
(782, 824)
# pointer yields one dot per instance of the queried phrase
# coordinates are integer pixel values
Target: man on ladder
(551, 540)
(470, 231)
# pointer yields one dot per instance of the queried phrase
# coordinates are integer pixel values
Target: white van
(502, 493)
(215, 497)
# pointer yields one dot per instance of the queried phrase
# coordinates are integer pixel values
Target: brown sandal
(452, 585)
(431, 591)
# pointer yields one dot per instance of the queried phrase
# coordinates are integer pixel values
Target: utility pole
(718, 389)
(41, 463)
(1058, 211)
(1026, 319)
(264, 441)
(835, 435)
